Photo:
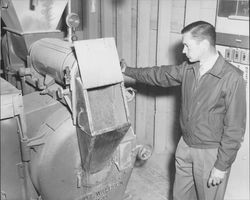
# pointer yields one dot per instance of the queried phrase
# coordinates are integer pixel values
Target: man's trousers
(193, 167)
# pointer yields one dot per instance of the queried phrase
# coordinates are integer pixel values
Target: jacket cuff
(128, 70)
(221, 166)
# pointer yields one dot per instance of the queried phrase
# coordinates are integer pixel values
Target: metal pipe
(69, 28)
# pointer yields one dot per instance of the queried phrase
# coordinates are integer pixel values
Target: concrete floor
(153, 180)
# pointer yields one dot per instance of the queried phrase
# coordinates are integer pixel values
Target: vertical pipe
(69, 28)
(23, 85)
(185, 14)
(216, 13)
(156, 63)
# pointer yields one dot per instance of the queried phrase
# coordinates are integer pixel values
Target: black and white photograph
(124, 100)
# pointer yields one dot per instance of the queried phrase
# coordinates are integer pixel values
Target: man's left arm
(234, 129)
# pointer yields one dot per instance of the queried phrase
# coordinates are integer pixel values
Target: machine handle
(144, 152)
(130, 93)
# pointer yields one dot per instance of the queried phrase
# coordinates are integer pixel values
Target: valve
(130, 93)
(61, 92)
(67, 76)
(143, 154)
(72, 21)
(24, 71)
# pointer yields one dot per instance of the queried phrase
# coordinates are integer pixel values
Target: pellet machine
(65, 128)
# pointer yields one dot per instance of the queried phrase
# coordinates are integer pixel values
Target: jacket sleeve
(234, 124)
(164, 76)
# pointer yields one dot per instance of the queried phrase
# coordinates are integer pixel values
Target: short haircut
(201, 30)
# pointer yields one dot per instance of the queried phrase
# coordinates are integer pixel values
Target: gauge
(72, 20)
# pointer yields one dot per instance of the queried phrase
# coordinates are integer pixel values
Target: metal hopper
(29, 21)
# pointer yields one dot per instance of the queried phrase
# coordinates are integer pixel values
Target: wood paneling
(200, 10)
(126, 32)
(164, 106)
(91, 18)
(146, 56)
(107, 14)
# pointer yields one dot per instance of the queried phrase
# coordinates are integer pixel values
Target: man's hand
(123, 65)
(216, 177)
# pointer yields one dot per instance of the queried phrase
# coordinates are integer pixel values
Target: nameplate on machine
(101, 194)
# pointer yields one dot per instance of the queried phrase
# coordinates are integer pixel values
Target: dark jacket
(213, 109)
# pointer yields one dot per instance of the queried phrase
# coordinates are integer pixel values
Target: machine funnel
(33, 16)
(28, 21)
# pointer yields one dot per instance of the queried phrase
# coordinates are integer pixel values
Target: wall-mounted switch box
(236, 56)
(244, 57)
(228, 54)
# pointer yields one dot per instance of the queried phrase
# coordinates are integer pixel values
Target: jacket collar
(218, 66)
(216, 70)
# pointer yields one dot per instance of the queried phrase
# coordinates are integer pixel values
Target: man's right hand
(216, 177)
(123, 65)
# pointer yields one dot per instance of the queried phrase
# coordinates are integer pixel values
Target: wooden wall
(147, 33)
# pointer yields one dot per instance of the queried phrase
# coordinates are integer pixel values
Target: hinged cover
(98, 62)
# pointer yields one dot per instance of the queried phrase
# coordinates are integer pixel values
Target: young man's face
(192, 47)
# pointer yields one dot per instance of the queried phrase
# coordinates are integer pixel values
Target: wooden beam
(162, 120)
(108, 18)
(146, 56)
(126, 40)
(91, 19)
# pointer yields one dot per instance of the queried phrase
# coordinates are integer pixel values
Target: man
(213, 112)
